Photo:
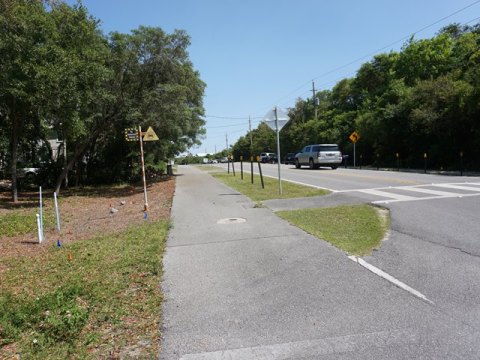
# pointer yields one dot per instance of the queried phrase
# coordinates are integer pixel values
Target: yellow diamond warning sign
(354, 137)
(150, 135)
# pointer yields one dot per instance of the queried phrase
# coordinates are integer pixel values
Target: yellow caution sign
(150, 135)
(354, 137)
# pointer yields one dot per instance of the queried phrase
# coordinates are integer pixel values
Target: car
(319, 155)
(224, 159)
(267, 157)
(27, 177)
(27, 172)
(289, 159)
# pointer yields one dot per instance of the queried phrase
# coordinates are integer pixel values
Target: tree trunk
(78, 154)
(14, 142)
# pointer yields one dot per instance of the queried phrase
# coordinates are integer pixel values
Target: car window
(329, 148)
(315, 148)
(307, 149)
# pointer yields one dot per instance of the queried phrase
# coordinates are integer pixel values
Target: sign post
(354, 137)
(137, 135)
(276, 120)
(145, 201)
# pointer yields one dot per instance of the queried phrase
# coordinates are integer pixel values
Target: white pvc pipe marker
(41, 210)
(40, 237)
(57, 213)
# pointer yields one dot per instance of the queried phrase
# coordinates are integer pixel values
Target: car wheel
(311, 165)
(297, 164)
(334, 167)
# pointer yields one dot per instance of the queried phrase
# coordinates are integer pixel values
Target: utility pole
(314, 99)
(226, 141)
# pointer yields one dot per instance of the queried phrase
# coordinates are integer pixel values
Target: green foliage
(423, 99)
(60, 72)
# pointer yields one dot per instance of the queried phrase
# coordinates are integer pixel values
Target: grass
(356, 229)
(84, 299)
(23, 223)
(208, 168)
(256, 193)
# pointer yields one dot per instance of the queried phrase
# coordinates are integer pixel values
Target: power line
(224, 126)
(381, 49)
(396, 42)
(229, 117)
(342, 67)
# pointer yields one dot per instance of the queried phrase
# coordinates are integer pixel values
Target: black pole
(251, 168)
(398, 161)
(261, 176)
(378, 162)
(228, 162)
(461, 163)
(241, 167)
(233, 167)
(425, 162)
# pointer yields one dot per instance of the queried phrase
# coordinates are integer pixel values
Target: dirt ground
(86, 212)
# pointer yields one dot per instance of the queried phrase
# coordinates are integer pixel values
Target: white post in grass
(41, 211)
(57, 213)
(39, 228)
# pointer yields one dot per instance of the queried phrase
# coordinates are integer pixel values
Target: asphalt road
(434, 244)
(240, 283)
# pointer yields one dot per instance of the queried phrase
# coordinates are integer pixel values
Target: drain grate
(234, 220)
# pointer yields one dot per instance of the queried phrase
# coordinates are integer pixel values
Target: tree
(24, 37)
(425, 59)
(153, 84)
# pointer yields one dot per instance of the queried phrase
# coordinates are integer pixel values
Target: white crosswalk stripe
(387, 194)
(457, 187)
(429, 191)
(414, 193)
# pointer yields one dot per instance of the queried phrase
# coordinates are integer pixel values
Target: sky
(254, 55)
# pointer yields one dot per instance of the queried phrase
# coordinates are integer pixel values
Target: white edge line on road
(406, 187)
(389, 278)
(388, 201)
(300, 183)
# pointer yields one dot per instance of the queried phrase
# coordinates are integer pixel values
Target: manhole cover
(231, 221)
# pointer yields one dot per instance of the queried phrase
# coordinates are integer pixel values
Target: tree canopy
(60, 74)
(424, 99)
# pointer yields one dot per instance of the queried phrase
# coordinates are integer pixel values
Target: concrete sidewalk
(241, 283)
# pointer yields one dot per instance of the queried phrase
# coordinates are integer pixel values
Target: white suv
(319, 155)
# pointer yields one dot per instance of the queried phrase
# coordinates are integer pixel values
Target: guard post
(260, 171)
